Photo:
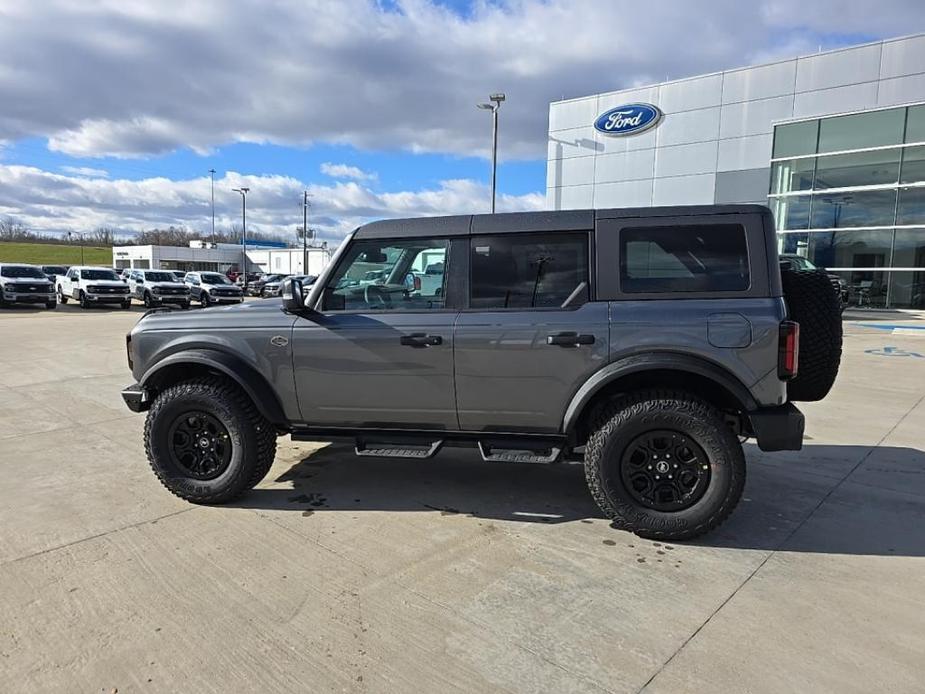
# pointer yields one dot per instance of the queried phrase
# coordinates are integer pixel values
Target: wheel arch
(188, 364)
(654, 370)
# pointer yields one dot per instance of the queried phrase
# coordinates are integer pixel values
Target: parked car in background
(52, 271)
(272, 288)
(255, 288)
(124, 274)
(796, 263)
(213, 288)
(179, 275)
(158, 287)
(92, 286)
(25, 284)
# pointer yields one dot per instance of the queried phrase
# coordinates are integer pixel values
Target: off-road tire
(61, 298)
(814, 304)
(253, 439)
(630, 416)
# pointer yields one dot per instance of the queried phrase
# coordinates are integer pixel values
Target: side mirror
(291, 291)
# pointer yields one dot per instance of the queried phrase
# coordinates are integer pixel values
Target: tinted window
(157, 276)
(694, 258)
(528, 270)
(379, 275)
(99, 275)
(214, 278)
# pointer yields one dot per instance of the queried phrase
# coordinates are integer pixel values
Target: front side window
(380, 275)
(684, 258)
(529, 270)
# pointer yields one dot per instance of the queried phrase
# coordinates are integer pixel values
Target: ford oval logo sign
(628, 120)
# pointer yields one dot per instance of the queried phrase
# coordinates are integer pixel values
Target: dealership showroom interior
(462, 346)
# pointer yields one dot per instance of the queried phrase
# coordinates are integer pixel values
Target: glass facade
(848, 193)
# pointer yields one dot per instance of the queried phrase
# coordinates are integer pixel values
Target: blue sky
(114, 113)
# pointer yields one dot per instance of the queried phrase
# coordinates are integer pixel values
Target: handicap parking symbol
(893, 352)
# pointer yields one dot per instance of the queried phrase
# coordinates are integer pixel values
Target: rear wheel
(206, 442)
(664, 465)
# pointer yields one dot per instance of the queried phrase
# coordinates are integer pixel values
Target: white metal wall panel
(854, 97)
(625, 166)
(761, 82)
(572, 114)
(744, 152)
(901, 90)
(850, 66)
(689, 126)
(684, 160)
(754, 117)
(903, 57)
(684, 190)
(623, 194)
(692, 94)
(574, 142)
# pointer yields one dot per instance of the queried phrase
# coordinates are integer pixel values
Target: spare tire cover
(813, 303)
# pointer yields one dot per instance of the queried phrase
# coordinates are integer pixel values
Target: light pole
(243, 191)
(495, 103)
(212, 176)
(80, 240)
(305, 232)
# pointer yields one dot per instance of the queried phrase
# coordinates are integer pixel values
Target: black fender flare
(652, 361)
(235, 368)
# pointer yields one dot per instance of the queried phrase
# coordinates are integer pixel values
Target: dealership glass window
(913, 170)
(528, 270)
(795, 139)
(792, 211)
(911, 206)
(907, 289)
(867, 288)
(909, 248)
(874, 129)
(915, 124)
(797, 243)
(688, 258)
(792, 174)
(855, 209)
(847, 249)
(859, 169)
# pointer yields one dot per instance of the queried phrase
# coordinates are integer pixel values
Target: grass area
(54, 254)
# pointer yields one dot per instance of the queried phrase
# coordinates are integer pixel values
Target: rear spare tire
(813, 303)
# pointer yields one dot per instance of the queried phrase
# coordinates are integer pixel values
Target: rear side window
(691, 258)
(529, 270)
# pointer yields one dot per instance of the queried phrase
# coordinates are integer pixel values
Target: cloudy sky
(113, 111)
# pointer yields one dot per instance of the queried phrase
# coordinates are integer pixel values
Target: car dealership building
(833, 143)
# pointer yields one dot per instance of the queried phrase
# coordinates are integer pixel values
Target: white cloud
(87, 171)
(346, 171)
(133, 79)
(52, 202)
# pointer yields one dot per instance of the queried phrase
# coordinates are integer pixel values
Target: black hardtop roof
(550, 220)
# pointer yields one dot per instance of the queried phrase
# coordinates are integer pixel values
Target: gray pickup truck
(645, 343)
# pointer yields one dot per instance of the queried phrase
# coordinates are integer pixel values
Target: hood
(25, 280)
(254, 314)
(106, 283)
(166, 285)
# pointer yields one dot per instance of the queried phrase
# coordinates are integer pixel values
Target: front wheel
(664, 465)
(149, 302)
(127, 304)
(204, 300)
(84, 301)
(206, 442)
(51, 305)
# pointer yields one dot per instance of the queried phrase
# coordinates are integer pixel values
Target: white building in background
(204, 256)
(833, 143)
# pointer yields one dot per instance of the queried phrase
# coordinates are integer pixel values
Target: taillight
(128, 350)
(788, 354)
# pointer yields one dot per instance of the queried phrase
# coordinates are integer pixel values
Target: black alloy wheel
(665, 470)
(199, 445)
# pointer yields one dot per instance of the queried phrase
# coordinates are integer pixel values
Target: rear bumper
(778, 428)
(137, 398)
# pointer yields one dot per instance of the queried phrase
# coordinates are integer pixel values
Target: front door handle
(421, 340)
(569, 339)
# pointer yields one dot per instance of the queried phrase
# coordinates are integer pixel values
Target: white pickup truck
(92, 286)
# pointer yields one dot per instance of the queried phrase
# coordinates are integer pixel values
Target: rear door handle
(421, 340)
(569, 339)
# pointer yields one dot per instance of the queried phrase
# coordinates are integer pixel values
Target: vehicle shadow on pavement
(794, 502)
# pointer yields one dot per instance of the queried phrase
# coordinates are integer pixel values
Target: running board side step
(518, 452)
(397, 448)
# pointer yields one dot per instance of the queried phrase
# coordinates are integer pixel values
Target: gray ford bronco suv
(647, 343)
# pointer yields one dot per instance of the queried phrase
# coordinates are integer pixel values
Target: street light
(495, 104)
(80, 237)
(243, 191)
(212, 175)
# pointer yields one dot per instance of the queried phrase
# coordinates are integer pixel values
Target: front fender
(654, 361)
(251, 381)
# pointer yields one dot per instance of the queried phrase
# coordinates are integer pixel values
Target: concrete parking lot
(339, 574)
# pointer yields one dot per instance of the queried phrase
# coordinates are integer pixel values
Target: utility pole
(243, 191)
(212, 175)
(495, 104)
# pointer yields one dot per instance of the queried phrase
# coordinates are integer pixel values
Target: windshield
(214, 278)
(21, 271)
(99, 275)
(159, 277)
(55, 270)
